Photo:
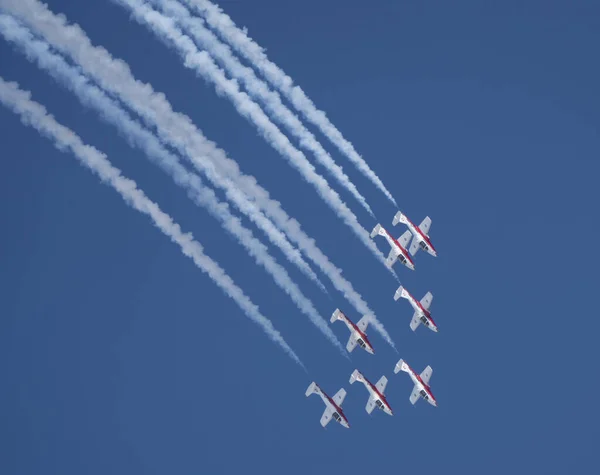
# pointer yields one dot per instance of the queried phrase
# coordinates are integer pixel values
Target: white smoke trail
(205, 67)
(105, 70)
(242, 43)
(36, 116)
(257, 88)
(177, 129)
(136, 135)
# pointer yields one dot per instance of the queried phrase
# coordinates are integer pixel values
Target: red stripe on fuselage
(421, 233)
(337, 408)
(425, 386)
(425, 311)
(362, 335)
(402, 250)
(379, 395)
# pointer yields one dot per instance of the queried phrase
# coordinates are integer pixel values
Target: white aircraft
(421, 381)
(421, 234)
(357, 332)
(376, 397)
(422, 314)
(398, 250)
(333, 407)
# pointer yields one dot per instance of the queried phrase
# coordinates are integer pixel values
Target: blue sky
(118, 356)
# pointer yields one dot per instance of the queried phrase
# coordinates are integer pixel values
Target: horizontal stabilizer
(399, 218)
(355, 376)
(312, 389)
(337, 315)
(401, 292)
(376, 230)
(401, 366)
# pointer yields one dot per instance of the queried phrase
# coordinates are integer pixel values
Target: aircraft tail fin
(355, 376)
(401, 366)
(401, 292)
(337, 315)
(377, 230)
(312, 389)
(399, 218)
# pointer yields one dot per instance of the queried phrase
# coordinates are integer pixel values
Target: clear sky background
(118, 356)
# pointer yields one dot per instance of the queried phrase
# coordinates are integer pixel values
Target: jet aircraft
(358, 331)
(376, 397)
(421, 381)
(422, 314)
(398, 247)
(420, 233)
(333, 406)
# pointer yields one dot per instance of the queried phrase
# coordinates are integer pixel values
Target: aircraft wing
(363, 323)
(391, 258)
(370, 404)
(414, 247)
(405, 239)
(425, 225)
(351, 343)
(381, 384)
(426, 300)
(339, 397)
(415, 322)
(326, 417)
(426, 374)
(414, 396)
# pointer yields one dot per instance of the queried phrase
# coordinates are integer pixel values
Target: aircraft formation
(400, 251)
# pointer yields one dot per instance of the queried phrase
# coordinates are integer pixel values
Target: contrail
(36, 116)
(116, 77)
(244, 45)
(107, 72)
(137, 136)
(205, 67)
(258, 89)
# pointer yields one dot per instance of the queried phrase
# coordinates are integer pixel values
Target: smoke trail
(137, 136)
(257, 88)
(204, 66)
(76, 43)
(177, 129)
(36, 116)
(242, 43)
